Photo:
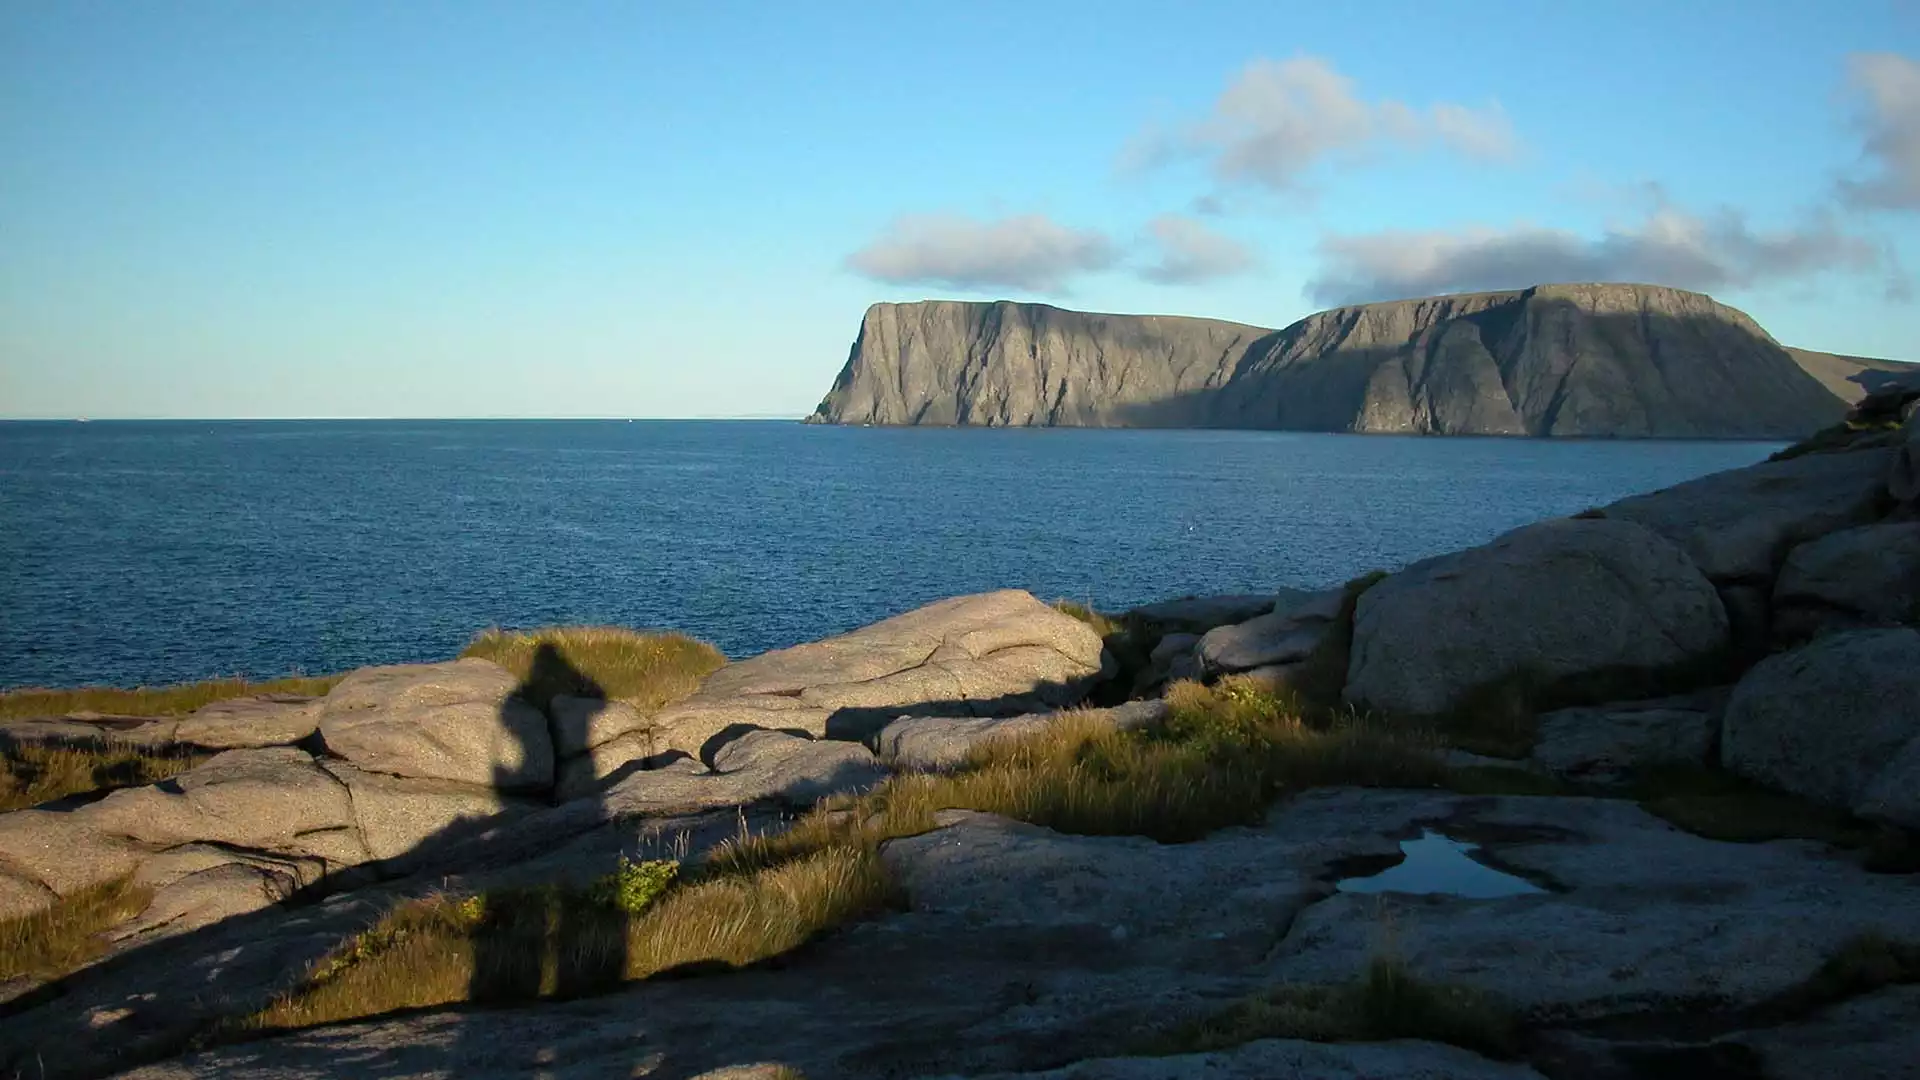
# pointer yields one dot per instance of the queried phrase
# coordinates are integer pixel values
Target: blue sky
(653, 209)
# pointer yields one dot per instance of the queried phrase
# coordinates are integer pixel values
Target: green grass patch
(1385, 1003)
(519, 945)
(647, 670)
(32, 773)
(56, 940)
(151, 700)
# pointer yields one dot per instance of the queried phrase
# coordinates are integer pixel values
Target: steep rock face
(1568, 360)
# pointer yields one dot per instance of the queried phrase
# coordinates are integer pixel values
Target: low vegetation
(1385, 1003)
(1225, 753)
(1223, 756)
(1104, 625)
(527, 944)
(151, 700)
(1842, 436)
(34, 773)
(60, 938)
(648, 670)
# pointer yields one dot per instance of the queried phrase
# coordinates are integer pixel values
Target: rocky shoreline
(1759, 628)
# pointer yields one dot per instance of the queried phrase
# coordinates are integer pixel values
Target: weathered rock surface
(1560, 599)
(250, 723)
(1739, 525)
(397, 814)
(1835, 721)
(1607, 743)
(1113, 938)
(1865, 576)
(1640, 917)
(234, 724)
(1876, 1037)
(44, 854)
(1199, 614)
(1287, 634)
(1903, 475)
(580, 724)
(1269, 1059)
(943, 742)
(760, 765)
(453, 721)
(276, 799)
(1617, 360)
(991, 654)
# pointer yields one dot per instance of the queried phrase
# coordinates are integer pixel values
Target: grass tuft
(57, 939)
(34, 773)
(521, 945)
(647, 670)
(150, 700)
(1105, 625)
(1385, 1003)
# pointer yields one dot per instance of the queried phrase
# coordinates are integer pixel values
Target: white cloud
(1888, 88)
(1028, 251)
(1667, 247)
(1278, 118)
(1189, 252)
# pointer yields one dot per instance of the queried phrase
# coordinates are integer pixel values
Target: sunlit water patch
(1440, 865)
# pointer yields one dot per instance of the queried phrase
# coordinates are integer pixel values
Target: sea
(135, 552)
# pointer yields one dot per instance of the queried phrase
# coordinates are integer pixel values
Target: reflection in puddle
(1439, 864)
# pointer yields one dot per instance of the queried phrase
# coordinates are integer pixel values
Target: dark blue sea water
(136, 552)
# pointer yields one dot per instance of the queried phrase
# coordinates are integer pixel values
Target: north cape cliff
(1554, 360)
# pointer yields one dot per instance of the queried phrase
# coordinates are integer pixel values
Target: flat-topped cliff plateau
(1578, 360)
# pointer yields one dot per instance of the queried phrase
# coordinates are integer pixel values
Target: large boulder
(1861, 577)
(990, 654)
(1836, 720)
(1613, 741)
(46, 854)
(1739, 525)
(397, 815)
(758, 766)
(455, 721)
(1557, 601)
(274, 799)
(1199, 614)
(250, 722)
(1287, 634)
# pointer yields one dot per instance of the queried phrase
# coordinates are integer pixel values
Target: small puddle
(1439, 865)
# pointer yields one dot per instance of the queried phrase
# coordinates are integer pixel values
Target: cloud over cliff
(1028, 251)
(1278, 118)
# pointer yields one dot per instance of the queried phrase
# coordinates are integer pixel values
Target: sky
(637, 209)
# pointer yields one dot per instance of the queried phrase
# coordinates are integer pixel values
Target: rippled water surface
(165, 551)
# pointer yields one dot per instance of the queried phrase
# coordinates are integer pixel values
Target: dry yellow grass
(648, 670)
(533, 944)
(1104, 625)
(58, 939)
(1225, 754)
(33, 773)
(150, 700)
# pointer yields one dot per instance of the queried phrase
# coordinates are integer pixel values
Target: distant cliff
(1567, 360)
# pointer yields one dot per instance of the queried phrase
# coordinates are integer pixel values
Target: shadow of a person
(547, 942)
